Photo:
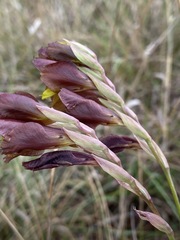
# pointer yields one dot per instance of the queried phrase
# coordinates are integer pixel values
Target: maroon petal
(157, 221)
(26, 94)
(88, 94)
(40, 63)
(119, 143)
(33, 136)
(57, 51)
(87, 110)
(19, 107)
(91, 94)
(7, 125)
(60, 158)
(62, 74)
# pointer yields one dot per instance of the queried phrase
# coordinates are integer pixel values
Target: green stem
(152, 207)
(171, 237)
(168, 177)
(173, 190)
(158, 154)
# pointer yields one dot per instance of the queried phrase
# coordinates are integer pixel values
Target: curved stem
(173, 190)
(168, 177)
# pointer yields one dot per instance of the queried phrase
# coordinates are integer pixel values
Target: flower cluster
(71, 90)
(24, 129)
(63, 134)
(29, 127)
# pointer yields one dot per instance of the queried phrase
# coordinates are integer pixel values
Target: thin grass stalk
(167, 80)
(103, 205)
(17, 233)
(133, 225)
(123, 210)
(98, 206)
(106, 223)
(35, 217)
(140, 176)
(173, 190)
(52, 174)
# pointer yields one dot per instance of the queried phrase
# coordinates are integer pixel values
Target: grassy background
(138, 44)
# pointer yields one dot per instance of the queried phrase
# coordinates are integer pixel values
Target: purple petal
(26, 94)
(33, 136)
(19, 107)
(60, 158)
(58, 52)
(62, 74)
(40, 63)
(87, 110)
(91, 94)
(157, 221)
(119, 143)
(7, 125)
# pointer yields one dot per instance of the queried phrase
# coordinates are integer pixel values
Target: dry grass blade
(13, 227)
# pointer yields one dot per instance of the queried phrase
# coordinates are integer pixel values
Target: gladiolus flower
(58, 52)
(62, 65)
(20, 107)
(56, 75)
(70, 51)
(60, 158)
(27, 138)
(87, 110)
(119, 143)
(6, 125)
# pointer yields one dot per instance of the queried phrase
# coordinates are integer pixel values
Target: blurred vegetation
(138, 44)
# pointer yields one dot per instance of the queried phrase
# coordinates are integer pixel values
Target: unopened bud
(134, 126)
(87, 143)
(85, 55)
(157, 221)
(105, 90)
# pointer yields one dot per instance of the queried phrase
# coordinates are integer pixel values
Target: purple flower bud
(60, 158)
(56, 75)
(32, 136)
(119, 143)
(57, 51)
(41, 63)
(20, 107)
(7, 125)
(91, 94)
(157, 221)
(86, 110)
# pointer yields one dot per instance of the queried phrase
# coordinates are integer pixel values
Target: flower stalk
(82, 97)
